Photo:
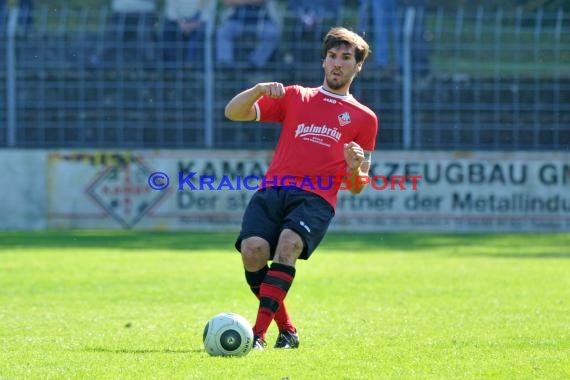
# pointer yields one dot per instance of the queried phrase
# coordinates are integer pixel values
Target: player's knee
(289, 248)
(254, 253)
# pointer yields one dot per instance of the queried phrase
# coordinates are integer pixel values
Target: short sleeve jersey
(315, 126)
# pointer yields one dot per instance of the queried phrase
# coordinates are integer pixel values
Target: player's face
(340, 68)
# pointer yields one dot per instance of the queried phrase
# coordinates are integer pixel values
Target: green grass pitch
(132, 305)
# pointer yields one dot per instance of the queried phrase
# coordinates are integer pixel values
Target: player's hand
(353, 155)
(271, 89)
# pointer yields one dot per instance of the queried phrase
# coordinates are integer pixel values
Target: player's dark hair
(341, 36)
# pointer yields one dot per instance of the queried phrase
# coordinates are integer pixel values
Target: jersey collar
(333, 95)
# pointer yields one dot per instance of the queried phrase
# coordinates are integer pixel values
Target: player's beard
(340, 82)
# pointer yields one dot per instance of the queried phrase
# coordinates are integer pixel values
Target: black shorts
(273, 209)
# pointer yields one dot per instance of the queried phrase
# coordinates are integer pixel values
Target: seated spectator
(310, 21)
(421, 37)
(130, 35)
(3, 18)
(312, 12)
(184, 30)
(380, 18)
(25, 14)
(243, 17)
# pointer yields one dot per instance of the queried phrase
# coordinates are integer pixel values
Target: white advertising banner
(410, 191)
(23, 194)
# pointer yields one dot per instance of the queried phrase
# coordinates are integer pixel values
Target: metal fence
(468, 79)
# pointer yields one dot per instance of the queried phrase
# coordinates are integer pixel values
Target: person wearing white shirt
(130, 34)
(184, 29)
(255, 17)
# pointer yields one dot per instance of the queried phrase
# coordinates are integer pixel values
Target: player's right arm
(241, 107)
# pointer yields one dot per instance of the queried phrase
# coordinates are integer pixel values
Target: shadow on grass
(544, 246)
(128, 240)
(555, 245)
(141, 351)
(538, 255)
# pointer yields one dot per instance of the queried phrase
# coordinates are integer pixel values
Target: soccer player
(326, 142)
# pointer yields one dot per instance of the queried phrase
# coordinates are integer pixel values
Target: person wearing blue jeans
(310, 20)
(25, 13)
(420, 37)
(384, 23)
(184, 30)
(247, 16)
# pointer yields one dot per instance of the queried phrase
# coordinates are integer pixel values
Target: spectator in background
(380, 17)
(2, 29)
(130, 32)
(25, 14)
(311, 19)
(184, 29)
(420, 37)
(248, 16)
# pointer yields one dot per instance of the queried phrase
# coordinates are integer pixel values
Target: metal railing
(469, 79)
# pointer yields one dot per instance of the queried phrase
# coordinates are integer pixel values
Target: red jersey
(315, 126)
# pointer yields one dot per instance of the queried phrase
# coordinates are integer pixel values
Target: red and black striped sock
(272, 292)
(282, 318)
(254, 279)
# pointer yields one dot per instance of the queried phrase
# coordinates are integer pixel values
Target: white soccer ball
(228, 334)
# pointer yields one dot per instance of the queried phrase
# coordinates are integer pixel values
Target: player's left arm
(358, 165)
